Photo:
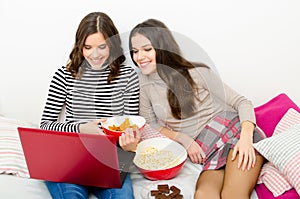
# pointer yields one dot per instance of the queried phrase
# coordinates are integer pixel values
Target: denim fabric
(74, 191)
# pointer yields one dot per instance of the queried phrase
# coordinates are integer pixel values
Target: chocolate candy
(165, 192)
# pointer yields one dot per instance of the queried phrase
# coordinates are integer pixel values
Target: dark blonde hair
(92, 23)
(172, 67)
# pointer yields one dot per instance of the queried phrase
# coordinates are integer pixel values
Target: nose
(95, 53)
(140, 55)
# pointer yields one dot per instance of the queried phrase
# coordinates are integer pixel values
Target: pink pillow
(263, 193)
(269, 114)
(274, 180)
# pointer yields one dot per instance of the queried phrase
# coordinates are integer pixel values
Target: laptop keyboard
(125, 159)
(122, 166)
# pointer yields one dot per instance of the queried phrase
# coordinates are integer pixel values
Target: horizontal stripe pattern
(273, 179)
(12, 160)
(289, 119)
(292, 171)
(90, 97)
(279, 149)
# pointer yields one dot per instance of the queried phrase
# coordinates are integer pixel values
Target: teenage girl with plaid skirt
(189, 103)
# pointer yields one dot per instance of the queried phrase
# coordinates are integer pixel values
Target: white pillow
(12, 160)
(283, 150)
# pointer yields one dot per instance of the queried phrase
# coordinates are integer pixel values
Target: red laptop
(77, 158)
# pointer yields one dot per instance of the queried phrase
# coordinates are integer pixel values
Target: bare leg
(239, 184)
(209, 184)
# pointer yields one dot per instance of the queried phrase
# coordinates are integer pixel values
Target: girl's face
(143, 54)
(96, 50)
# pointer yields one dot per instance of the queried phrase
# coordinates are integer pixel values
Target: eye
(87, 47)
(148, 49)
(134, 51)
(103, 46)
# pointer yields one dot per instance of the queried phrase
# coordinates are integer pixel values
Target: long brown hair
(92, 23)
(172, 67)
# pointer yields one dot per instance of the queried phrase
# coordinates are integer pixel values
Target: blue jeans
(70, 191)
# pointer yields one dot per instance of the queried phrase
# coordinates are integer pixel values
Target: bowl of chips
(118, 124)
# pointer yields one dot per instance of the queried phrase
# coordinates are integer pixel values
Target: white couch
(15, 181)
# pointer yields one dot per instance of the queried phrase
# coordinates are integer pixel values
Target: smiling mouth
(144, 64)
(96, 61)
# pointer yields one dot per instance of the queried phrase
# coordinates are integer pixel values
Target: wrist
(79, 128)
(247, 125)
(185, 140)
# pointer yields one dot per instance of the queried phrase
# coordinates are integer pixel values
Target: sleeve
(146, 108)
(225, 94)
(131, 95)
(54, 103)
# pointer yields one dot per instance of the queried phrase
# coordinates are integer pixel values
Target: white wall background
(254, 45)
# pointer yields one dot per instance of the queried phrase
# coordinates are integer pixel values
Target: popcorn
(152, 158)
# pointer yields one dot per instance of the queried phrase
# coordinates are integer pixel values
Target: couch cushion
(269, 114)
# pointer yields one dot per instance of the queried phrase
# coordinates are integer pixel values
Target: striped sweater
(89, 97)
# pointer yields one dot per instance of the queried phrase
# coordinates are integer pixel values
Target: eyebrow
(144, 46)
(97, 45)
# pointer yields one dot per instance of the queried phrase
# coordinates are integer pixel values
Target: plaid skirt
(221, 135)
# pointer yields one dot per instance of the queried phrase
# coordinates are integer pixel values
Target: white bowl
(170, 167)
(118, 120)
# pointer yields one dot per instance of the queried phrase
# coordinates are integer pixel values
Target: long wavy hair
(93, 23)
(172, 67)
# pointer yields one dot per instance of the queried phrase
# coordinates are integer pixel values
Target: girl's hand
(244, 147)
(92, 127)
(195, 153)
(193, 149)
(128, 141)
(246, 153)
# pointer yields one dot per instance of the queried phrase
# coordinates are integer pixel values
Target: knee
(126, 191)
(225, 194)
(66, 190)
(201, 194)
(234, 194)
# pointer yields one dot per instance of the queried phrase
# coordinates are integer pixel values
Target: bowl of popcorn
(118, 124)
(159, 158)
